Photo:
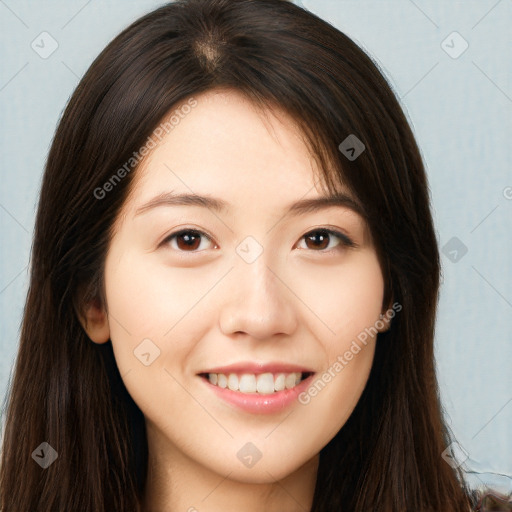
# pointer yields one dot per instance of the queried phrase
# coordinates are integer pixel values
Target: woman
(233, 282)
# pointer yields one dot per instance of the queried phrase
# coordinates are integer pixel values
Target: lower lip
(258, 403)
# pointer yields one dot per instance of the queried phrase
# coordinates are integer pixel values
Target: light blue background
(460, 109)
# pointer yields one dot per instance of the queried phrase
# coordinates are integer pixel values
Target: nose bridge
(258, 303)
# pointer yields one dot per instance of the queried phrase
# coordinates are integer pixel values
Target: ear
(383, 319)
(95, 323)
(384, 322)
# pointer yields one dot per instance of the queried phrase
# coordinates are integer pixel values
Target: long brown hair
(67, 391)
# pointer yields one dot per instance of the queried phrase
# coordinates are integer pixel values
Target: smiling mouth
(251, 383)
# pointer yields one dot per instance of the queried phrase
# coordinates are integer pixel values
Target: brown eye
(187, 240)
(320, 240)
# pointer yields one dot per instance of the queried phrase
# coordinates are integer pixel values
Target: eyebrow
(300, 207)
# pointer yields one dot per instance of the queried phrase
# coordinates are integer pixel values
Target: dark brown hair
(67, 391)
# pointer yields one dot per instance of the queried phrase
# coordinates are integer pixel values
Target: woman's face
(255, 284)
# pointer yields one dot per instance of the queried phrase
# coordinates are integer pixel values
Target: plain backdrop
(448, 62)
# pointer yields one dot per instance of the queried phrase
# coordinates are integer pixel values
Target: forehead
(226, 145)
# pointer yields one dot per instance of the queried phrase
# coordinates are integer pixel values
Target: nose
(258, 302)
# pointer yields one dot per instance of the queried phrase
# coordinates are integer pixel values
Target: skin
(298, 302)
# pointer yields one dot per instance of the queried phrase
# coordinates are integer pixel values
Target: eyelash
(345, 241)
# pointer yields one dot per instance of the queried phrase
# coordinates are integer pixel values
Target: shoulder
(487, 500)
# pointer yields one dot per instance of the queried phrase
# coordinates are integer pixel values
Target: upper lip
(255, 367)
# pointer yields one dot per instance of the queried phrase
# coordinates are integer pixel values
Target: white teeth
(233, 382)
(264, 383)
(222, 381)
(289, 382)
(279, 382)
(247, 383)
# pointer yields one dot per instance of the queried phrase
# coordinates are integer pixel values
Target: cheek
(148, 300)
(345, 299)
(335, 391)
(346, 303)
(156, 316)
